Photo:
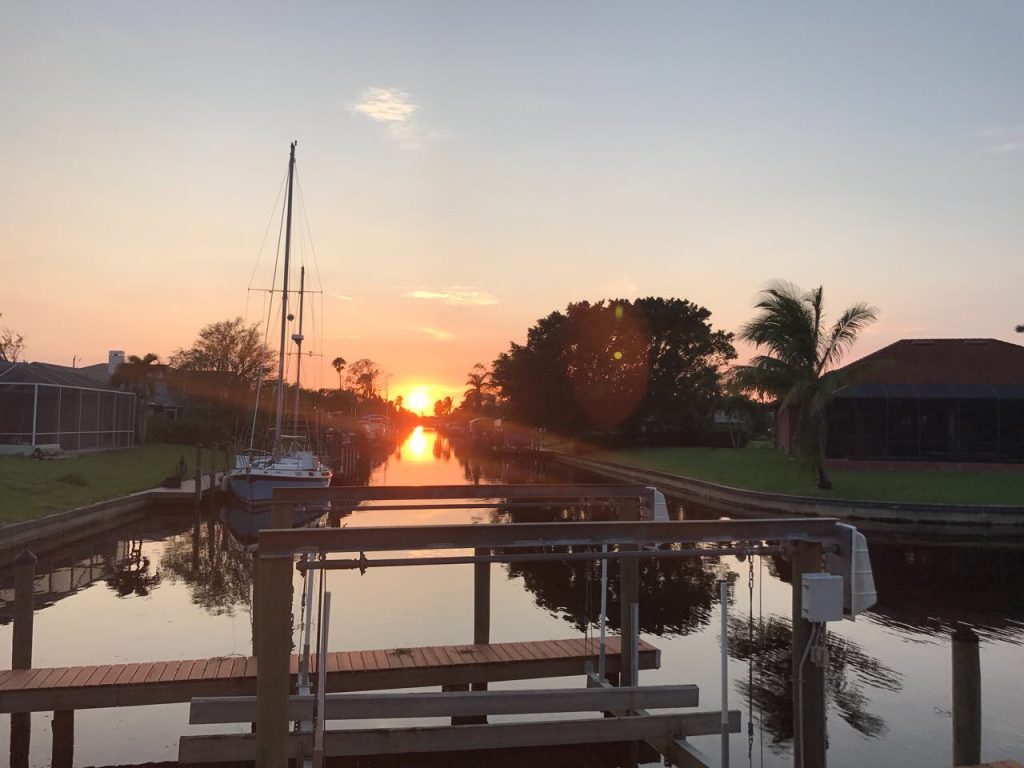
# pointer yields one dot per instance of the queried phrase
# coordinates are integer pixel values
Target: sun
(418, 400)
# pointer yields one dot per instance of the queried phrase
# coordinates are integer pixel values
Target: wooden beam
(356, 493)
(809, 745)
(450, 738)
(273, 652)
(284, 542)
(356, 706)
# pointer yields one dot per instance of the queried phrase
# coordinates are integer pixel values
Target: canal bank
(43, 534)
(746, 503)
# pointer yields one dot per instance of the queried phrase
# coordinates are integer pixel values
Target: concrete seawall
(43, 533)
(737, 501)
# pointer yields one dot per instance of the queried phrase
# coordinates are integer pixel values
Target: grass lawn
(30, 488)
(765, 469)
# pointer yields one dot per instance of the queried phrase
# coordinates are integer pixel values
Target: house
(930, 400)
(50, 407)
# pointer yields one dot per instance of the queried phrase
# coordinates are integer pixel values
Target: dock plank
(177, 680)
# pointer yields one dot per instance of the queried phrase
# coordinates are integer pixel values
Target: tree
(443, 408)
(338, 364)
(362, 378)
(626, 366)
(801, 354)
(12, 345)
(228, 347)
(136, 374)
(479, 392)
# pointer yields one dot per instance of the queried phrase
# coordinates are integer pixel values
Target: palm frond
(844, 333)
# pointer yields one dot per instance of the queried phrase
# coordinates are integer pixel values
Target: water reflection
(767, 689)
(132, 576)
(217, 567)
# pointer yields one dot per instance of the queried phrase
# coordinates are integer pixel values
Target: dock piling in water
(966, 698)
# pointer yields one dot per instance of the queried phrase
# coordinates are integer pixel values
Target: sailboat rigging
(290, 463)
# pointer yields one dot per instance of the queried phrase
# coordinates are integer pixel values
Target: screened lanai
(50, 405)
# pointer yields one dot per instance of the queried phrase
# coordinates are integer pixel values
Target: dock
(164, 682)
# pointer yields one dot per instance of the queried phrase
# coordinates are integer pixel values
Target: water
(165, 588)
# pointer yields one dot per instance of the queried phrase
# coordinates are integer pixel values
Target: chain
(750, 666)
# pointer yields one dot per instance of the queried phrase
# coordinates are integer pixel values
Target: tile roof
(939, 368)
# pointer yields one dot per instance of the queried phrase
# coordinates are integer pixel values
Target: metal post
(966, 698)
(273, 650)
(808, 677)
(321, 685)
(629, 592)
(21, 650)
(603, 648)
(35, 412)
(723, 598)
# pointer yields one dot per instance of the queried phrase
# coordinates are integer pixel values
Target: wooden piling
(21, 650)
(481, 621)
(24, 610)
(63, 754)
(966, 698)
(213, 468)
(808, 703)
(199, 474)
(273, 650)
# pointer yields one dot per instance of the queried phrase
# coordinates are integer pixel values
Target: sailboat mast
(284, 307)
(297, 338)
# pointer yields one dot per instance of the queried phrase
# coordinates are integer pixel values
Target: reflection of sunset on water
(418, 446)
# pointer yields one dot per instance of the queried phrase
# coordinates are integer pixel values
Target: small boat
(291, 463)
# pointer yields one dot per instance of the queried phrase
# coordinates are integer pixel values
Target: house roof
(45, 373)
(939, 368)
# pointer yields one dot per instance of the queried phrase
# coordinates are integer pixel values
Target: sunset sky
(469, 167)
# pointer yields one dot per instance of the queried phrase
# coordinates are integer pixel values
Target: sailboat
(290, 463)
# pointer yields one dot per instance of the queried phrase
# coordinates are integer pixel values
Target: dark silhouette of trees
(800, 356)
(362, 379)
(139, 375)
(647, 365)
(12, 345)
(228, 347)
(338, 364)
(480, 394)
(443, 408)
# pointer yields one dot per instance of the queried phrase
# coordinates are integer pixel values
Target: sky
(468, 167)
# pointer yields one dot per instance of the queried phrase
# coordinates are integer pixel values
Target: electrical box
(822, 597)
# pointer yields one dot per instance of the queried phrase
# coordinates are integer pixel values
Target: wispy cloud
(396, 109)
(436, 334)
(339, 296)
(455, 295)
(1003, 140)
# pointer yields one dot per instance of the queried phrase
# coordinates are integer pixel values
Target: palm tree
(478, 380)
(338, 363)
(801, 355)
(138, 375)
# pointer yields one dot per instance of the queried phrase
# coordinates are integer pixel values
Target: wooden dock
(163, 682)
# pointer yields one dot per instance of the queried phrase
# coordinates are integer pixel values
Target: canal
(173, 585)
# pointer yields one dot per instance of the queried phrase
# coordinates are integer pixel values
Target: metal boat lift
(634, 535)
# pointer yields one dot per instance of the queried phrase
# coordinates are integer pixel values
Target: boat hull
(260, 488)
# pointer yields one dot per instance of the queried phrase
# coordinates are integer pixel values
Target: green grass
(30, 488)
(765, 469)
